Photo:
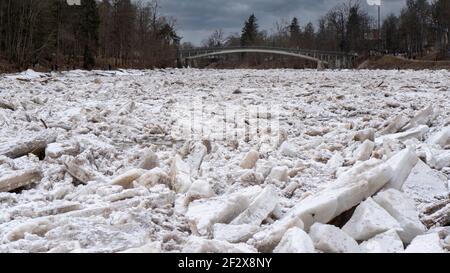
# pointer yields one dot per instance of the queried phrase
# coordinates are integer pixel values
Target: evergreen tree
(89, 31)
(294, 32)
(441, 21)
(249, 35)
(389, 33)
(353, 29)
(414, 25)
(309, 36)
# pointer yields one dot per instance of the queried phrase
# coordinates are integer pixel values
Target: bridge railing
(294, 50)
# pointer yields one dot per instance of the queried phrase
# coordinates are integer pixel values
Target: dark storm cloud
(196, 19)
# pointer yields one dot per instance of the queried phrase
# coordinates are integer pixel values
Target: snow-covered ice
(175, 160)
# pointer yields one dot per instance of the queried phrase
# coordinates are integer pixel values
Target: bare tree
(216, 39)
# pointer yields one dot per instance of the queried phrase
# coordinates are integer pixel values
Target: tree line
(421, 27)
(126, 33)
(110, 33)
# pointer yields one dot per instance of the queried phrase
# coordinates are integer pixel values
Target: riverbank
(394, 62)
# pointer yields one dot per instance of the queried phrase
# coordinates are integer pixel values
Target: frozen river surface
(225, 161)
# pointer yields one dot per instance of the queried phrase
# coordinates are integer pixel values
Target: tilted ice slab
(127, 178)
(364, 151)
(15, 179)
(424, 183)
(368, 220)
(403, 210)
(418, 133)
(422, 117)
(259, 209)
(353, 186)
(395, 125)
(402, 164)
(203, 214)
(195, 158)
(180, 174)
(441, 138)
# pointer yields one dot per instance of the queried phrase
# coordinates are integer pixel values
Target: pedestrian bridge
(331, 59)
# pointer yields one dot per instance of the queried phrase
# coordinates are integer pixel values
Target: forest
(116, 33)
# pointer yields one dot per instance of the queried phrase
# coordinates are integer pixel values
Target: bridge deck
(337, 59)
(296, 50)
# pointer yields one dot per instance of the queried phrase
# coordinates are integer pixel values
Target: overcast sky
(196, 19)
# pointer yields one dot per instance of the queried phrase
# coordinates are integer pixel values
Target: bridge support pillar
(345, 62)
(320, 65)
(180, 63)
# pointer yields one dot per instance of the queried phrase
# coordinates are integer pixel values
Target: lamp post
(379, 27)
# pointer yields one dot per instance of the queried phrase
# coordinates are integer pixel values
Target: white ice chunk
(418, 133)
(288, 149)
(152, 177)
(424, 183)
(200, 189)
(260, 208)
(395, 125)
(441, 138)
(421, 118)
(149, 160)
(295, 240)
(387, 242)
(127, 178)
(15, 179)
(180, 175)
(234, 233)
(201, 245)
(153, 247)
(402, 163)
(267, 239)
(335, 162)
(427, 243)
(279, 173)
(403, 210)
(250, 159)
(368, 220)
(353, 186)
(364, 151)
(363, 135)
(54, 150)
(195, 158)
(204, 213)
(331, 239)
(442, 159)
